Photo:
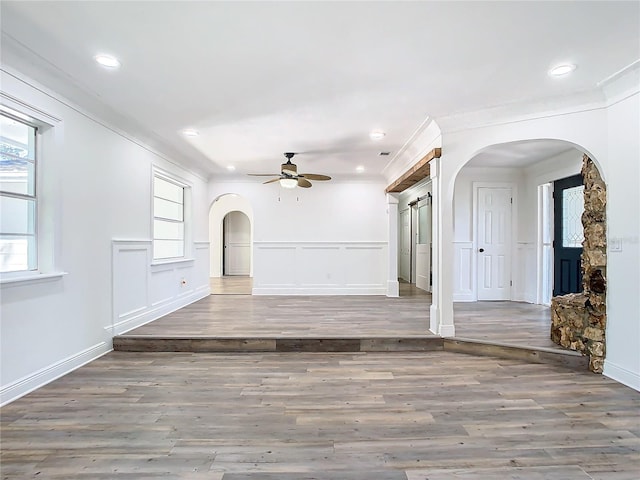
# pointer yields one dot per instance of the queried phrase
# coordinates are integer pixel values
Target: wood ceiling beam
(419, 171)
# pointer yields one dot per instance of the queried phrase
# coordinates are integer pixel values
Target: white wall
(96, 188)
(608, 133)
(623, 224)
(328, 239)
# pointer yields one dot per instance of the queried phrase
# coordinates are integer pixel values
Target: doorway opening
(415, 242)
(236, 245)
(568, 207)
(231, 244)
(503, 240)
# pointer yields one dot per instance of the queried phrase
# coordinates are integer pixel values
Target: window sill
(170, 261)
(29, 278)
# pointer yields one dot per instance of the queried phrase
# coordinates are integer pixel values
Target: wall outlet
(615, 244)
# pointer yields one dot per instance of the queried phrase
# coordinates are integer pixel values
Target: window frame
(186, 196)
(35, 197)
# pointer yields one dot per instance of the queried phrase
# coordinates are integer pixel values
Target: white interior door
(423, 246)
(494, 243)
(237, 244)
(405, 245)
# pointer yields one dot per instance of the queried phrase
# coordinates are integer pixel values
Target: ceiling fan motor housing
(289, 168)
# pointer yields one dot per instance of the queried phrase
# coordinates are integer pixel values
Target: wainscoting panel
(143, 292)
(274, 266)
(320, 268)
(525, 272)
(130, 279)
(464, 272)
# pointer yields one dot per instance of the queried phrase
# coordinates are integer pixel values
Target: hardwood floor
(286, 416)
(233, 312)
(231, 285)
(514, 323)
(295, 316)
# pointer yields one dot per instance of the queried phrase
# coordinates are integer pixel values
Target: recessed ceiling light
(190, 132)
(108, 61)
(231, 168)
(561, 70)
(359, 169)
(377, 135)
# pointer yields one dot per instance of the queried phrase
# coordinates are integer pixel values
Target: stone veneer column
(578, 320)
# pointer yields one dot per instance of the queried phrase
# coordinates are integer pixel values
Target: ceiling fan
(289, 176)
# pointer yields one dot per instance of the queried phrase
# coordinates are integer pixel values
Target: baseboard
(150, 314)
(447, 331)
(434, 314)
(393, 288)
(373, 290)
(621, 375)
(463, 297)
(31, 382)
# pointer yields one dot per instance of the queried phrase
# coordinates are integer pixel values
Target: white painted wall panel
(320, 268)
(464, 272)
(364, 265)
(130, 284)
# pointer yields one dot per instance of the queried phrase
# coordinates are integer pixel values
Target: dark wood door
(568, 205)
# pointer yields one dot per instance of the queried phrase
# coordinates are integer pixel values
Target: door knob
(481, 250)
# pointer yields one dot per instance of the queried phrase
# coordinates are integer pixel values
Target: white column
(393, 287)
(434, 311)
(446, 181)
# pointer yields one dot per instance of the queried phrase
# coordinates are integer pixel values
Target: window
(18, 203)
(572, 208)
(168, 218)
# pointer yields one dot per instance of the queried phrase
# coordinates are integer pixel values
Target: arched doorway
(236, 244)
(515, 180)
(238, 213)
(504, 219)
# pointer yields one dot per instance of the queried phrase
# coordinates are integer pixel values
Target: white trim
(447, 331)
(363, 243)
(393, 288)
(30, 278)
(48, 374)
(27, 111)
(318, 290)
(171, 261)
(622, 375)
(145, 315)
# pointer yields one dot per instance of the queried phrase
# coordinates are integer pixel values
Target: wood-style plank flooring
(324, 416)
(295, 316)
(232, 312)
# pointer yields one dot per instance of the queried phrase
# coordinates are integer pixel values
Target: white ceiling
(519, 154)
(261, 78)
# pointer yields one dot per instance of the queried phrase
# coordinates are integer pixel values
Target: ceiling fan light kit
(289, 177)
(288, 182)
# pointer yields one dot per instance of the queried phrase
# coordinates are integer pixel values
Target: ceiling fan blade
(304, 183)
(315, 176)
(271, 181)
(263, 174)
